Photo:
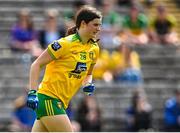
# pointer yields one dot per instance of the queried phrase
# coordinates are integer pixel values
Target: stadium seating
(171, 7)
(160, 68)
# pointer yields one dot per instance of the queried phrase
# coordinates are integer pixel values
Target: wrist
(87, 84)
(87, 80)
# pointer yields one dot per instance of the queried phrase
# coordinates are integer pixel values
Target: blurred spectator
(111, 24)
(126, 3)
(88, 115)
(69, 15)
(177, 2)
(172, 113)
(101, 69)
(149, 3)
(95, 3)
(23, 117)
(126, 65)
(98, 3)
(23, 35)
(51, 30)
(162, 27)
(139, 112)
(138, 5)
(135, 27)
(76, 5)
(129, 3)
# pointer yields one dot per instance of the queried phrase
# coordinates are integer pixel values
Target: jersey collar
(78, 36)
(91, 40)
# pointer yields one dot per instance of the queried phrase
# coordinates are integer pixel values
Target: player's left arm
(89, 78)
(88, 86)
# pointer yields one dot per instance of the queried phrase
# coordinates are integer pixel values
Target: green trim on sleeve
(49, 51)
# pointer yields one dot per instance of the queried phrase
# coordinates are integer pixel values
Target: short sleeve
(58, 48)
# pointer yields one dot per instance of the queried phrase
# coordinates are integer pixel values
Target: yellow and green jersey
(64, 75)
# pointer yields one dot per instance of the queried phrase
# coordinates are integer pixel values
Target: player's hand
(89, 89)
(32, 99)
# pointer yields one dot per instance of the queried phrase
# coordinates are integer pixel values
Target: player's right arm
(43, 59)
(36, 66)
(54, 51)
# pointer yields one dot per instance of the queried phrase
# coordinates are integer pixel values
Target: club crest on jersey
(59, 104)
(91, 55)
(55, 46)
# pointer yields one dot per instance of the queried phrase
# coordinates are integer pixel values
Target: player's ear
(83, 24)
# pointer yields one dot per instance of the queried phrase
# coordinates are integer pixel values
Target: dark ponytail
(71, 30)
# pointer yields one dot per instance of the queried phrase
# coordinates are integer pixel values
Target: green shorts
(49, 106)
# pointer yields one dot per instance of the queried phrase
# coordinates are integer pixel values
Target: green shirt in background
(138, 26)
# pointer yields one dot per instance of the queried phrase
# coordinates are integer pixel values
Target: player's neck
(83, 37)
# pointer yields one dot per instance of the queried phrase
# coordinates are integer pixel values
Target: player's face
(93, 28)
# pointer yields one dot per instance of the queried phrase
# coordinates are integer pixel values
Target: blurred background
(137, 75)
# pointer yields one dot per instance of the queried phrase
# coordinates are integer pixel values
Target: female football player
(69, 63)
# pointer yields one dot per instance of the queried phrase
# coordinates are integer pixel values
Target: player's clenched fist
(89, 89)
(32, 99)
